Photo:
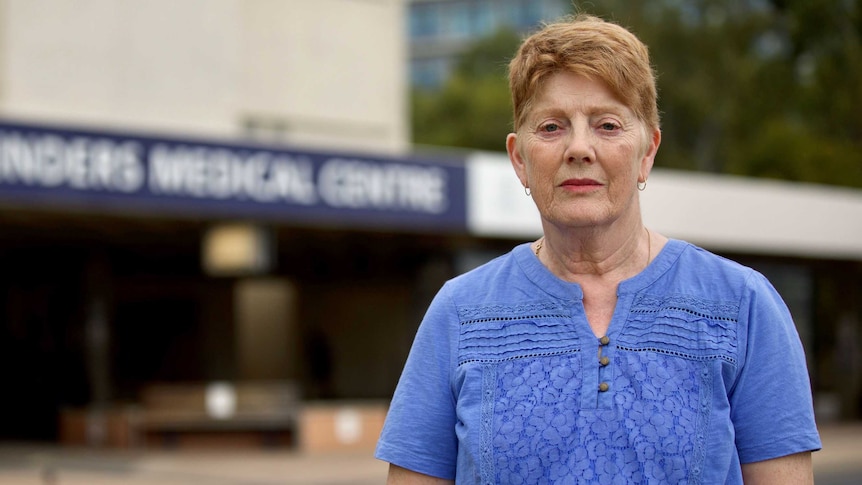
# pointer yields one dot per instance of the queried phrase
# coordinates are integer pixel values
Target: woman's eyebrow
(618, 109)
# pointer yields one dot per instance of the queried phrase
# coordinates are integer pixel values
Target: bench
(233, 414)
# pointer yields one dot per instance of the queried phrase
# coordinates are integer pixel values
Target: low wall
(327, 426)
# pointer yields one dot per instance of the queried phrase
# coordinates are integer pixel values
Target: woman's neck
(608, 254)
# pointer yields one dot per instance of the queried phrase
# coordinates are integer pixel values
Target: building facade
(440, 30)
(144, 143)
(222, 191)
(324, 74)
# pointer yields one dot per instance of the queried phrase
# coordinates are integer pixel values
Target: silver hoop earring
(642, 185)
(528, 191)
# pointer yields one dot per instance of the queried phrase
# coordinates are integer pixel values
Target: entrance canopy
(65, 169)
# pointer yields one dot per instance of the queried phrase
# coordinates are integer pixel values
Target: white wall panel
(714, 211)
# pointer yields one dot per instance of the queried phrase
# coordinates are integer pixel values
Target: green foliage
(473, 109)
(756, 87)
(789, 151)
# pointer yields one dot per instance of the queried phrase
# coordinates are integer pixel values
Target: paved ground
(74, 467)
(840, 463)
(840, 460)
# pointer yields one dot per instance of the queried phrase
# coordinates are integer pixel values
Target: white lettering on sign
(362, 185)
(102, 163)
(80, 163)
(221, 173)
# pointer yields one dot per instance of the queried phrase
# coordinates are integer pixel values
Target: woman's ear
(517, 160)
(649, 156)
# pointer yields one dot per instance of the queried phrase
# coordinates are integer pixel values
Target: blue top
(702, 370)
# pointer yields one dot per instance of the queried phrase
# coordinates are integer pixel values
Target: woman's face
(582, 152)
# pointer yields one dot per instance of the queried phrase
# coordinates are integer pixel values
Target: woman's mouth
(581, 185)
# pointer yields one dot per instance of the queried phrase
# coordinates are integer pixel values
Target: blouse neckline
(542, 277)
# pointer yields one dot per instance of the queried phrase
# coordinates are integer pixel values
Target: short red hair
(588, 46)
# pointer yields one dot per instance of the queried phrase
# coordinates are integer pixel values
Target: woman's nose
(580, 146)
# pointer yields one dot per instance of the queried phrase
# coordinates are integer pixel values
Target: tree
(757, 88)
(473, 109)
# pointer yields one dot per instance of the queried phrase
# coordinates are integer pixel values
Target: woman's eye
(550, 127)
(608, 126)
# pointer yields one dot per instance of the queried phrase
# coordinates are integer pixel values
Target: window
(424, 20)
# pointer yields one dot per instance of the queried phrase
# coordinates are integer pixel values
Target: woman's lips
(581, 185)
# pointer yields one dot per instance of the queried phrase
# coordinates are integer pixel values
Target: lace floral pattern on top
(536, 420)
(541, 437)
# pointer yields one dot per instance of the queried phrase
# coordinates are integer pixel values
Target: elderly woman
(603, 352)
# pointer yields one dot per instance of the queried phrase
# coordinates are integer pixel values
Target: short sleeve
(419, 432)
(771, 403)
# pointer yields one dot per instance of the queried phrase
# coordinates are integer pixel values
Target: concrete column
(97, 344)
(265, 329)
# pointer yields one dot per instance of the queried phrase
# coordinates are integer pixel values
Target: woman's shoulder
(692, 254)
(498, 278)
(695, 266)
(493, 269)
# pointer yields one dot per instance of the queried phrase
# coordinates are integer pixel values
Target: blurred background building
(440, 31)
(127, 262)
(216, 228)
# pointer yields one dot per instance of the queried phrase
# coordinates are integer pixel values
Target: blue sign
(118, 172)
